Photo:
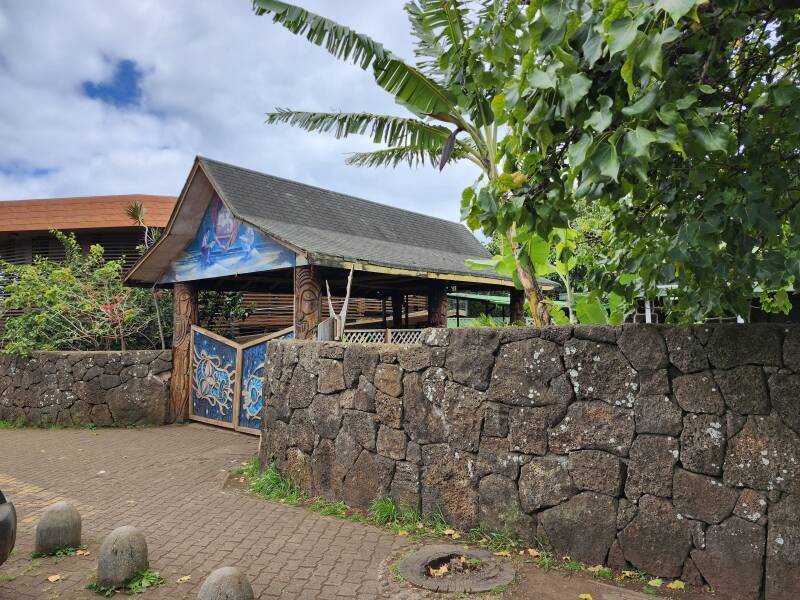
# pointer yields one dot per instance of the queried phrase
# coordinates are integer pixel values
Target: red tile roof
(91, 212)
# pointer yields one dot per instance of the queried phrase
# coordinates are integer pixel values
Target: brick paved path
(168, 482)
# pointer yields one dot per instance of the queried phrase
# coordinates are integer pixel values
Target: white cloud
(211, 70)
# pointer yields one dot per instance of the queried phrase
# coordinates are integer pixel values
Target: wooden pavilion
(238, 229)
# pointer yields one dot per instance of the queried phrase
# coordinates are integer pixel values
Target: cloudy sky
(101, 97)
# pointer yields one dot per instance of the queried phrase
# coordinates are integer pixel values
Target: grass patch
(405, 521)
(330, 509)
(138, 584)
(61, 552)
(271, 483)
(18, 424)
(572, 566)
(493, 540)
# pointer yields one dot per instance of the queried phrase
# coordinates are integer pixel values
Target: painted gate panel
(253, 370)
(213, 378)
(228, 379)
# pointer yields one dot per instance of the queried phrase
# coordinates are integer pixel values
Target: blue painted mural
(254, 360)
(223, 246)
(213, 378)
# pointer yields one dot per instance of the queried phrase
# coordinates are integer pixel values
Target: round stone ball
(227, 583)
(122, 555)
(59, 526)
(8, 528)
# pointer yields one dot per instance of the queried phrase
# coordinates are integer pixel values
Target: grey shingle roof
(329, 225)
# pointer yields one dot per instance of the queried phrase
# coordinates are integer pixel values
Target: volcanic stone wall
(82, 388)
(670, 450)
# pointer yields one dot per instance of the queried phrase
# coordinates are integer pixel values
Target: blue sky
(123, 90)
(124, 94)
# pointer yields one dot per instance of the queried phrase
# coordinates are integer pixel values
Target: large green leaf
(622, 34)
(577, 151)
(606, 160)
(412, 156)
(715, 138)
(575, 88)
(637, 142)
(590, 311)
(644, 104)
(543, 80)
(600, 120)
(383, 129)
(650, 55)
(675, 8)
(592, 47)
(444, 18)
(412, 88)
(539, 252)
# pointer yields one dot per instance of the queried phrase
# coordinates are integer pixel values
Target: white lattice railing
(383, 336)
(365, 336)
(404, 336)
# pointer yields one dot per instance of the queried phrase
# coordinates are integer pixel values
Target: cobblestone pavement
(168, 481)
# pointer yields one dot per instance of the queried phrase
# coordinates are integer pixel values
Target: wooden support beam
(184, 316)
(517, 306)
(437, 305)
(397, 310)
(307, 301)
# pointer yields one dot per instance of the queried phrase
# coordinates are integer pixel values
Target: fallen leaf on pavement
(504, 553)
(655, 582)
(82, 553)
(54, 578)
(676, 585)
(455, 535)
(585, 597)
(402, 533)
(440, 572)
(595, 569)
(449, 531)
(534, 553)
(184, 579)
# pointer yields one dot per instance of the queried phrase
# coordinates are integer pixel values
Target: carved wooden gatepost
(517, 306)
(307, 301)
(437, 305)
(184, 316)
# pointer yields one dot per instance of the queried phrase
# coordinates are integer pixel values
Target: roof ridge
(322, 189)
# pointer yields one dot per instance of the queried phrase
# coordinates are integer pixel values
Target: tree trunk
(533, 293)
(539, 312)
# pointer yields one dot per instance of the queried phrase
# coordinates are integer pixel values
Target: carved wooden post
(437, 305)
(397, 310)
(184, 316)
(517, 306)
(307, 301)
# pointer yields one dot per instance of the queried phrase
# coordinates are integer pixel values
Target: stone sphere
(122, 555)
(227, 583)
(59, 526)
(8, 528)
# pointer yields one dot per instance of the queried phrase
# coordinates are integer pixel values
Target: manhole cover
(448, 568)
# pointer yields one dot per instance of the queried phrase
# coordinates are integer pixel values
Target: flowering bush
(78, 304)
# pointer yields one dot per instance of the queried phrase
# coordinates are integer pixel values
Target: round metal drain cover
(449, 568)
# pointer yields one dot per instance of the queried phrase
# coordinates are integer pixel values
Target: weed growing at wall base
(138, 584)
(271, 483)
